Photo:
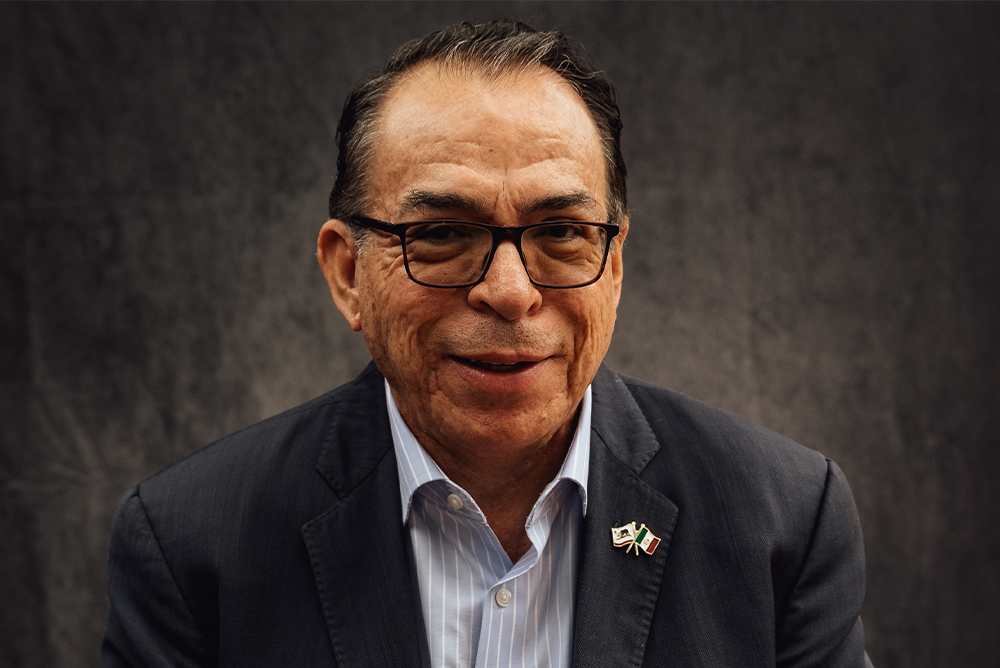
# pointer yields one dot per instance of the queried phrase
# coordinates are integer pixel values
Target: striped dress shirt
(479, 609)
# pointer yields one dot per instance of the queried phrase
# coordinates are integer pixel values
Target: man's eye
(436, 232)
(563, 231)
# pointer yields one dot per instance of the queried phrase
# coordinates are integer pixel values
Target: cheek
(396, 321)
(596, 325)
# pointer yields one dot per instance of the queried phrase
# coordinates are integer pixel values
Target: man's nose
(506, 288)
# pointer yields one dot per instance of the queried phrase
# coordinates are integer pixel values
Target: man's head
(500, 365)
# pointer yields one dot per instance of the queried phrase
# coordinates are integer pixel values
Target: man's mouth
(493, 366)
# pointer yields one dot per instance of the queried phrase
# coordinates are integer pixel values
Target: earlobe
(336, 253)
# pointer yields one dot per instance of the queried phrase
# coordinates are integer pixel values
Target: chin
(513, 425)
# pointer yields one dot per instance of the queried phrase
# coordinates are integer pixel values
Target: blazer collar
(616, 591)
(358, 548)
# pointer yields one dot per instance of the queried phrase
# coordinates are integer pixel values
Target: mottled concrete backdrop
(815, 245)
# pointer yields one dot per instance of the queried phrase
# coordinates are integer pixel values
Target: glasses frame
(500, 234)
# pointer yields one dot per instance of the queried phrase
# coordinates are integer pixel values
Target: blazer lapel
(358, 548)
(617, 592)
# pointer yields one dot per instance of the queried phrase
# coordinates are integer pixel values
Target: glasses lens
(558, 255)
(447, 253)
(564, 254)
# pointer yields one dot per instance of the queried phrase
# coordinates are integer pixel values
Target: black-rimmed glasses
(457, 254)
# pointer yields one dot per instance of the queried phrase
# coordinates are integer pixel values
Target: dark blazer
(282, 545)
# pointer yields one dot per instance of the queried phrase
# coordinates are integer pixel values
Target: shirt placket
(511, 599)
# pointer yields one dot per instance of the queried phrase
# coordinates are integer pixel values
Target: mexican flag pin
(628, 536)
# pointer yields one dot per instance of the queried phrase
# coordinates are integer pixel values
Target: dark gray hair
(492, 49)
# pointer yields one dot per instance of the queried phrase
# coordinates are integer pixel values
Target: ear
(617, 264)
(337, 255)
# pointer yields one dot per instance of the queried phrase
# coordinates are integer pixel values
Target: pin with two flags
(641, 538)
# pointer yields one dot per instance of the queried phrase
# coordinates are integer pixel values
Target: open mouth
(491, 366)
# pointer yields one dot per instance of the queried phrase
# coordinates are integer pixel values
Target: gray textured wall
(814, 193)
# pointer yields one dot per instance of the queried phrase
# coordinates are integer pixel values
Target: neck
(505, 484)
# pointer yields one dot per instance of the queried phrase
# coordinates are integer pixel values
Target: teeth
(489, 366)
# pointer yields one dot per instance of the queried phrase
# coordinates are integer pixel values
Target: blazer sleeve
(821, 626)
(149, 623)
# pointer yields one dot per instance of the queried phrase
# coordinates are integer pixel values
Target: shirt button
(455, 501)
(503, 598)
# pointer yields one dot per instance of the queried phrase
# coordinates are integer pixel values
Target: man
(486, 493)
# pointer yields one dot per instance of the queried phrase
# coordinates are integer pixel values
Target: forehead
(503, 138)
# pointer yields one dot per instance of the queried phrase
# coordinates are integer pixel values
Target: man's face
(503, 364)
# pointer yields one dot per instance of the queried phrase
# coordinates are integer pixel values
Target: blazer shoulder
(276, 458)
(714, 436)
(297, 433)
(716, 464)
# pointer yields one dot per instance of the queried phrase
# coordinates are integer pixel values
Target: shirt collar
(417, 468)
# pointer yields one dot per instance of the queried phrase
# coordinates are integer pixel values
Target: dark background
(814, 193)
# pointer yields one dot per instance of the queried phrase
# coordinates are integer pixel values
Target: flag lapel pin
(628, 536)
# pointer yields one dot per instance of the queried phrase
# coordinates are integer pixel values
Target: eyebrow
(565, 201)
(425, 199)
